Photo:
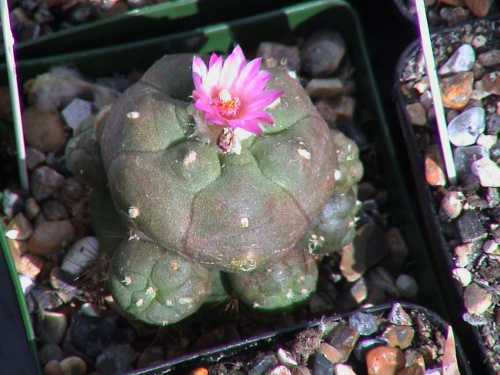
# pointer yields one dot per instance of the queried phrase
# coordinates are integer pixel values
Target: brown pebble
(399, 336)
(434, 169)
(30, 265)
(17, 248)
(384, 360)
(20, 228)
(323, 88)
(455, 3)
(476, 299)
(73, 366)
(301, 370)
(491, 83)
(343, 338)
(457, 89)
(480, 8)
(414, 369)
(44, 182)
(52, 368)
(331, 353)
(199, 371)
(50, 237)
(290, 56)
(462, 252)
(43, 130)
(489, 58)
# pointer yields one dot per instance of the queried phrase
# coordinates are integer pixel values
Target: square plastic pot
(442, 248)
(165, 18)
(301, 19)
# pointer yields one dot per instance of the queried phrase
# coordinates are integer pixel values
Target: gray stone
(462, 60)
(49, 352)
(262, 363)
(492, 124)
(283, 54)
(34, 158)
(12, 203)
(81, 254)
(321, 365)
(492, 197)
(469, 227)
(465, 156)
(365, 323)
(44, 182)
(398, 316)
(116, 360)
(464, 129)
(487, 172)
(54, 210)
(477, 300)
(20, 228)
(416, 114)
(489, 58)
(76, 111)
(51, 326)
(322, 53)
(407, 286)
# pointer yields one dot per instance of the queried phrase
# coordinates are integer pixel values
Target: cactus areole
(226, 164)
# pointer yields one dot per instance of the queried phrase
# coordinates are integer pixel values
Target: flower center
(227, 105)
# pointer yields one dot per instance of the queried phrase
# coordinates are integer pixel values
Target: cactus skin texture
(279, 286)
(157, 285)
(180, 198)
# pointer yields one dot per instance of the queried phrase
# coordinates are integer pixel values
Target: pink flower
(233, 92)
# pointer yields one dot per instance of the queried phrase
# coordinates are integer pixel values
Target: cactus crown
(231, 93)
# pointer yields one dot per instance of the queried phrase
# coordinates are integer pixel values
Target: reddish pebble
(456, 90)
(384, 360)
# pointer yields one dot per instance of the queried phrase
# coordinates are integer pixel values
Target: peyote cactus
(203, 186)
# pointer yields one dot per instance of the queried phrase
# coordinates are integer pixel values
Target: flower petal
(247, 73)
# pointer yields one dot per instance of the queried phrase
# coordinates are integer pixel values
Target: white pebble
(407, 286)
(80, 255)
(462, 275)
(487, 172)
(461, 61)
(76, 111)
(464, 129)
(26, 283)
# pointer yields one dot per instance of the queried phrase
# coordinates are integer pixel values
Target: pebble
(286, 358)
(492, 123)
(279, 370)
(486, 141)
(367, 249)
(407, 286)
(52, 368)
(34, 158)
(452, 204)
(262, 363)
(464, 129)
(32, 208)
(20, 228)
(73, 366)
(51, 326)
(343, 338)
(12, 203)
(399, 336)
(301, 370)
(43, 129)
(477, 300)
(456, 90)
(365, 323)
(480, 8)
(384, 360)
(150, 356)
(322, 53)
(469, 227)
(491, 83)
(487, 172)
(462, 60)
(76, 112)
(290, 56)
(30, 265)
(474, 320)
(462, 275)
(80, 255)
(324, 88)
(343, 369)
(50, 237)
(490, 247)
(26, 283)
(49, 352)
(463, 158)
(330, 352)
(398, 316)
(116, 359)
(416, 114)
(321, 365)
(44, 182)
(489, 58)
(415, 369)
(359, 291)
(398, 250)
(463, 253)
(434, 172)
(54, 210)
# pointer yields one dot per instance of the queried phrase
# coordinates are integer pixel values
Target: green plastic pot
(303, 19)
(138, 24)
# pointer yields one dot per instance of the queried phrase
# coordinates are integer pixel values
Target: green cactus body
(233, 212)
(157, 285)
(280, 285)
(183, 200)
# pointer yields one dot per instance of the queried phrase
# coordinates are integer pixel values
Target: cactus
(230, 183)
